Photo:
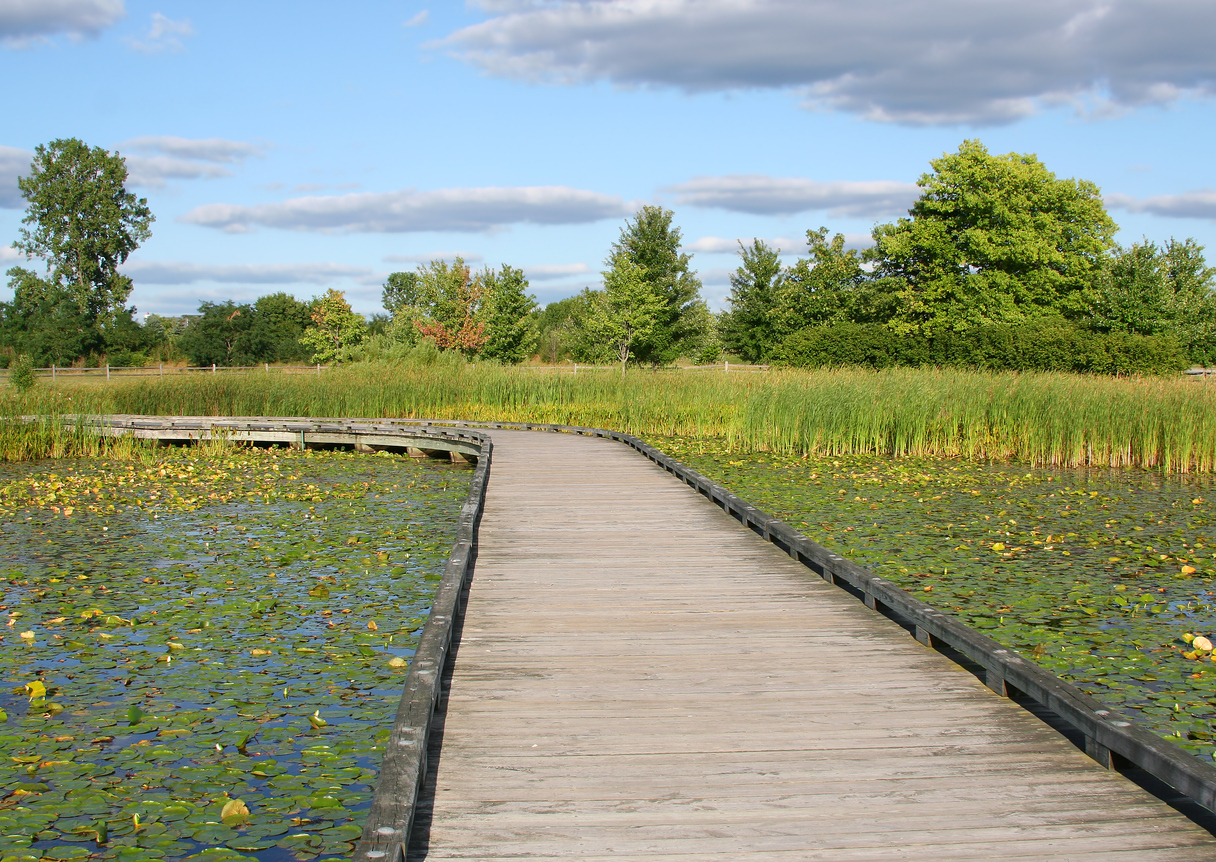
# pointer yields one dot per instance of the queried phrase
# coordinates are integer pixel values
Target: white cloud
(721, 245)
(14, 163)
(183, 158)
(931, 62)
(8, 255)
(406, 211)
(550, 271)
(1200, 203)
(449, 256)
(164, 34)
(217, 150)
(418, 20)
(763, 195)
(177, 272)
(23, 21)
(153, 171)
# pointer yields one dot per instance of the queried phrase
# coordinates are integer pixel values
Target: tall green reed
(1049, 419)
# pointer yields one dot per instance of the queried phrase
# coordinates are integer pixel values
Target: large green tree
(650, 245)
(508, 313)
(747, 329)
(1151, 290)
(993, 239)
(335, 327)
(625, 312)
(84, 223)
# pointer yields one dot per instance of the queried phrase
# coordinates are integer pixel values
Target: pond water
(1096, 574)
(204, 653)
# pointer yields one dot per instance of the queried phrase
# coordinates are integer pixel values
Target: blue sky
(302, 146)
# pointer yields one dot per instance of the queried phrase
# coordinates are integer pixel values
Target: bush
(1052, 345)
(21, 373)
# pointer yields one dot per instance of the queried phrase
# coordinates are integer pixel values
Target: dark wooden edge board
(1109, 736)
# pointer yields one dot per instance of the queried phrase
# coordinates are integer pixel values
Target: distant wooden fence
(110, 372)
(725, 367)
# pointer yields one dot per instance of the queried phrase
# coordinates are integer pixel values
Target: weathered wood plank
(640, 676)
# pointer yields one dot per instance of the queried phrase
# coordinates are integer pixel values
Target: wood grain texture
(638, 676)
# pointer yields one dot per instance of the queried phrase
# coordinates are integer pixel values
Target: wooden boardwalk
(639, 677)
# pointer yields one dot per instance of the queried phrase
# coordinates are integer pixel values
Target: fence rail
(109, 372)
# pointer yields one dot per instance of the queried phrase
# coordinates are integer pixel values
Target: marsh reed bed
(1063, 420)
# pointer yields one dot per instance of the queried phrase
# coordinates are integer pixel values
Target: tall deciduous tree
(83, 222)
(994, 239)
(508, 314)
(1151, 290)
(747, 329)
(827, 286)
(335, 327)
(626, 311)
(650, 246)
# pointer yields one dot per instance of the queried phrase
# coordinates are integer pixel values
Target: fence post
(107, 371)
(162, 371)
(212, 367)
(726, 366)
(267, 367)
(575, 371)
(318, 369)
(52, 370)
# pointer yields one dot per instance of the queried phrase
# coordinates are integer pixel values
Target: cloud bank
(24, 20)
(176, 272)
(926, 62)
(763, 195)
(1200, 203)
(469, 210)
(176, 158)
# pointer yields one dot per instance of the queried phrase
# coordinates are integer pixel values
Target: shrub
(21, 373)
(1050, 345)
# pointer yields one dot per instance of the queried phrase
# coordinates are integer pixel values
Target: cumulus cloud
(418, 20)
(550, 271)
(164, 34)
(407, 211)
(23, 21)
(1200, 203)
(763, 195)
(933, 62)
(14, 163)
(176, 272)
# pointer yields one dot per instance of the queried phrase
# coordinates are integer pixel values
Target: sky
(305, 146)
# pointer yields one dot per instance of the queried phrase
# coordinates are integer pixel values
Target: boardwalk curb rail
(1109, 736)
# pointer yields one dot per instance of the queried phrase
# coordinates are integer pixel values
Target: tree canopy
(651, 245)
(83, 222)
(993, 239)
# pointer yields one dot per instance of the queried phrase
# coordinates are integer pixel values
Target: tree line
(998, 264)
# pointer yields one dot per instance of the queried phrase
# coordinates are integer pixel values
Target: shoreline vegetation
(1040, 419)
